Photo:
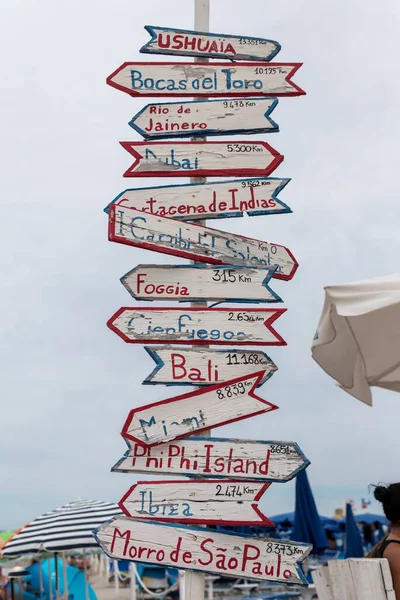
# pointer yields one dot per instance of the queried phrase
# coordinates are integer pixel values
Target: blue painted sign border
(160, 364)
(269, 274)
(210, 440)
(253, 213)
(274, 127)
(150, 29)
(200, 530)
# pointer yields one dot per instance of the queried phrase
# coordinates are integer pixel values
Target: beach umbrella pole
(86, 578)
(116, 578)
(133, 581)
(50, 582)
(100, 565)
(64, 562)
(105, 561)
(41, 580)
(56, 571)
(12, 589)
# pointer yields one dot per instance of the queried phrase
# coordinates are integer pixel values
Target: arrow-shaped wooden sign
(219, 79)
(196, 411)
(210, 200)
(215, 117)
(189, 240)
(200, 549)
(198, 501)
(182, 42)
(200, 282)
(205, 366)
(198, 326)
(201, 159)
(223, 458)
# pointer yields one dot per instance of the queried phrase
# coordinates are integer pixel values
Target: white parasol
(358, 337)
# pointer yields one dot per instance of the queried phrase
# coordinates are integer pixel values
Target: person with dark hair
(368, 537)
(389, 546)
(331, 539)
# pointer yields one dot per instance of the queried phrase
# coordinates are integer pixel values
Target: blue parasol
(371, 518)
(288, 518)
(352, 542)
(307, 523)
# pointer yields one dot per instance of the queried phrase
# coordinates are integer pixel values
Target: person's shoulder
(392, 551)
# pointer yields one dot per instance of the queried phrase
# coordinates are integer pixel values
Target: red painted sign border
(265, 521)
(236, 171)
(297, 91)
(258, 374)
(275, 314)
(114, 237)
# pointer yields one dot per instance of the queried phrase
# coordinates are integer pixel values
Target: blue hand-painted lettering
(162, 509)
(214, 83)
(190, 423)
(142, 326)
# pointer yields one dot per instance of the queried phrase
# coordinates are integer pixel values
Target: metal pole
(133, 581)
(65, 576)
(193, 583)
(50, 579)
(42, 594)
(86, 576)
(56, 570)
(106, 564)
(116, 578)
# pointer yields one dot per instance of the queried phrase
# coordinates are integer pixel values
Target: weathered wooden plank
(341, 580)
(253, 460)
(196, 548)
(322, 582)
(205, 366)
(387, 579)
(189, 283)
(183, 42)
(247, 79)
(198, 501)
(209, 200)
(220, 326)
(367, 579)
(196, 242)
(205, 118)
(196, 411)
(201, 159)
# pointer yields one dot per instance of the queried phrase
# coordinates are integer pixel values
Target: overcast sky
(68, 382)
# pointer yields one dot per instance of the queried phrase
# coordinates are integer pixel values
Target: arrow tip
(298, 91)
(264, 520)
(150, 29)
(129, 146)
(275, 314)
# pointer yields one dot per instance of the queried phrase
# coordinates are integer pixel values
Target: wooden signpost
(205, 366)
(182, 42)
(251, 460)
(219, 79)
(210, 200)
(200, 282)
(196, 411)
(212, 117)
(201, 159)
(191, 547)
(226, 477)
(189, 240)
(199, 501)
(198, 326)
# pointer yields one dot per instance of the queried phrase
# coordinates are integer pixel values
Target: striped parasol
(67, 528)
